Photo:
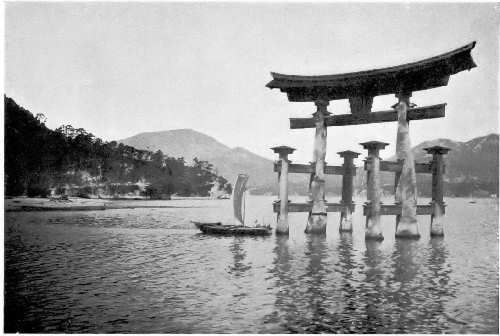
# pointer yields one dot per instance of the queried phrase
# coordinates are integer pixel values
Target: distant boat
(472, 202)
(239, 214)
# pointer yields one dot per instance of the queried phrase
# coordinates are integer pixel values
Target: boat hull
(235, 230)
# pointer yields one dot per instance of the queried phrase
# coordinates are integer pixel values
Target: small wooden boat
(239, 212)
(235, 230)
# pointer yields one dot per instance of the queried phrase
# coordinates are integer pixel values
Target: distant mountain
(471, 166)
(475, 160)
(185, 143)
(189, 144)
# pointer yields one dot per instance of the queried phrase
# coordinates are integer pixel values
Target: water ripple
(150, 271)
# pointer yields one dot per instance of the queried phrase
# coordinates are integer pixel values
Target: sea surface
(151, 271)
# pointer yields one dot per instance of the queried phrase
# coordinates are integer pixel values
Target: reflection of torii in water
(345, 253)
(288, 286)
(293, 303)
(316, 294)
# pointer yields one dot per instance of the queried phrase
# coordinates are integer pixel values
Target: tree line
(38, 159)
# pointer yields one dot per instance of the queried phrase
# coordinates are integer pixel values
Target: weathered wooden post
(406, 190)
(317, 220)
(282, 224)
(438, 205)
(373, 230)
(347, 188)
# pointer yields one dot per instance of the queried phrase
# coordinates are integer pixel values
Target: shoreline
(26, 204)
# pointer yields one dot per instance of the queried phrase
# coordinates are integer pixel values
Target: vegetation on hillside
(38, 159)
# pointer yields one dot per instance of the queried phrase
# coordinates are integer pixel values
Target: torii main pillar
(406, 188)
(316, 222)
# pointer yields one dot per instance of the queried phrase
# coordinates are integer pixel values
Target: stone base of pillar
(316, 224)
(373, 230)
(282, 226)
(437, 222)
(407, 225)
(345, 220)
(407, 228)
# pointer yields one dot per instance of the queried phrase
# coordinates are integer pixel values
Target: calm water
(150, 271)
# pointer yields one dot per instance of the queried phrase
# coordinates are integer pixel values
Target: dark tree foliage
(38, 158)
(226, 186)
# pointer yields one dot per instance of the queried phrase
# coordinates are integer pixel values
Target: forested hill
(38, 159)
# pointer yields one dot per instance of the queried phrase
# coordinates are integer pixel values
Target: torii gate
(360, 88)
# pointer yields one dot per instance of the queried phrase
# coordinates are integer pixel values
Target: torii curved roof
(425, 74)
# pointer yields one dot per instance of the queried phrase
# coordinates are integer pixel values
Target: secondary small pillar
(373, 230)
(282, 222)
(317, 219)
(347, 188)
(438, 205)
(406, 189)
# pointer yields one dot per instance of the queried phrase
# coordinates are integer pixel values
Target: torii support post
(437, 203)
(316, 222)
(406, 189)
(282, 222)
(347, 187)
(373, 231)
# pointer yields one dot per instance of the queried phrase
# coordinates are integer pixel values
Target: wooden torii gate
(360, 88)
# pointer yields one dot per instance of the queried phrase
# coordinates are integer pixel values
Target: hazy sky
(118, 69)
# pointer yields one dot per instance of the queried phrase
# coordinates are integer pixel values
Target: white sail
(238, 193)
